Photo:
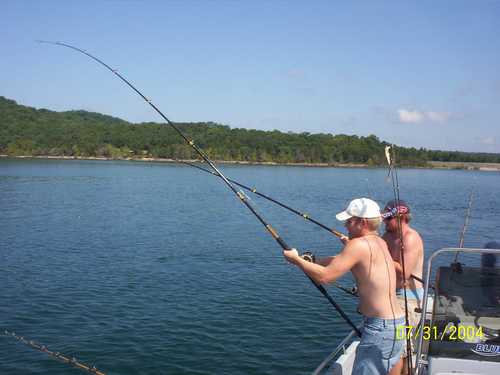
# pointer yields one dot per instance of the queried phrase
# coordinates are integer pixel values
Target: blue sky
(422, 74)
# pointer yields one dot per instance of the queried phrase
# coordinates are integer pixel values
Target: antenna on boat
(56, 355)
(240, 194)
(390, 154)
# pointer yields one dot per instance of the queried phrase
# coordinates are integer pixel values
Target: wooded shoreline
(26, 131)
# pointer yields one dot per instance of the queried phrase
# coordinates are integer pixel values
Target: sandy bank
(490, 167)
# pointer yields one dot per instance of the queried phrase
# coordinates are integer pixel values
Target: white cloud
(410, 117)
(406, 116)
(440, 117)
(488, 141)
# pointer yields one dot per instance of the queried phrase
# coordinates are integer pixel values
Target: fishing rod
(395, 188)
(56, 355)
(456, 266)
(466, 222)
(340, 235)
(262, 195)
(241, 196)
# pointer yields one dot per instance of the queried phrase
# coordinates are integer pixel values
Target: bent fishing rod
(338, 234)
(241, 196)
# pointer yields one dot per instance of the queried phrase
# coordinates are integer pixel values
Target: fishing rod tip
(46, 41)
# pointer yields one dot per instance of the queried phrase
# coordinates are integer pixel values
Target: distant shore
(490, 167)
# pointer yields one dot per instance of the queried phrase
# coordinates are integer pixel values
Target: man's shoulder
(412, 233)
(413, 238)
(355, 245)
(358, 241)
(365, 243)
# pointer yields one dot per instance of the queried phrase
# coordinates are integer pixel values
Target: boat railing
(421, 359)
(341, 348)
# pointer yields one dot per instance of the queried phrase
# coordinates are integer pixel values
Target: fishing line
(239, 194)
(466, 223)
(368, 188)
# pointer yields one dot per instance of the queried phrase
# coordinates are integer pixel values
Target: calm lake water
(150, 268)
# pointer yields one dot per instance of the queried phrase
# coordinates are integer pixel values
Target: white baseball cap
(361, 207)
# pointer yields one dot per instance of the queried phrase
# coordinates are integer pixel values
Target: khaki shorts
(413, 318)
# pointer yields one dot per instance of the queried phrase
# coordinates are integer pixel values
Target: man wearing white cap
(366, 255)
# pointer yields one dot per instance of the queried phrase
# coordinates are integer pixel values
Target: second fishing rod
(202, 154)
(304, 215)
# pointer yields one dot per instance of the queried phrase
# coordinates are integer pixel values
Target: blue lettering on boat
(487, 350)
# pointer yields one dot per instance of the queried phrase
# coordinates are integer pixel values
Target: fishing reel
(310, 257)
(457, 267)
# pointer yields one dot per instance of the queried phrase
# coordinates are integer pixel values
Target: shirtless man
(367, 257)
(414, 262)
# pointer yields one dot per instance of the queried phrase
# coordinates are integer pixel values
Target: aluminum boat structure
(461, 330)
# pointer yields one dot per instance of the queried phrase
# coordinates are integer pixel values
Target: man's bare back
(413, 254)
(376, 278)
(397, 218)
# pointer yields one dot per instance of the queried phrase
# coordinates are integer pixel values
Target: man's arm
(324, 261)
(398, 267)
(337, 267)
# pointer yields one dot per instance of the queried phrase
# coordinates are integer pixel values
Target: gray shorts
(380, 348)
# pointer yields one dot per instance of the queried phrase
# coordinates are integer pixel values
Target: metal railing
(341, 347)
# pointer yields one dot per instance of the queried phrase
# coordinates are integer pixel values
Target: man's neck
(404, 228)
(366, 233)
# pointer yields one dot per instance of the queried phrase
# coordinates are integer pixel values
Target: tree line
(34, 132)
